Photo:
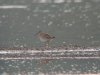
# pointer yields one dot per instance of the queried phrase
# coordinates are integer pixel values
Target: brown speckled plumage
(44, 37)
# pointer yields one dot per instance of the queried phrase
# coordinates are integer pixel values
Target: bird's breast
(43, 39)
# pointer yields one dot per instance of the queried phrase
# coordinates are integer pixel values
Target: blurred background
(70, 21)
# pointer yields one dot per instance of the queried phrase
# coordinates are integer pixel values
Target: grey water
(67, 66)
(71, 22)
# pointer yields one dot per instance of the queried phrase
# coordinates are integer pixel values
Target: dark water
(71, 23)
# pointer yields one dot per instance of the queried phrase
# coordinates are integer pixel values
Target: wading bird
(44, 37)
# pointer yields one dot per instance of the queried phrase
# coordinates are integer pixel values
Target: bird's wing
(47, 36)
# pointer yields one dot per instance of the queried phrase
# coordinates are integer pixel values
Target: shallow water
(72, 22)
(32, 62)
(61, 66)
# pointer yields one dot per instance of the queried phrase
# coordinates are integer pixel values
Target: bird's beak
(35, 34)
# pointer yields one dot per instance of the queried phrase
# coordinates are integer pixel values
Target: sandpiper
(44, 37)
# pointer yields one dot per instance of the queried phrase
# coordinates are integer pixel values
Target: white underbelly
(43, 40)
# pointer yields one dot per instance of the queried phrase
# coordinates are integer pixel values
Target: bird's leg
(47, 44)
